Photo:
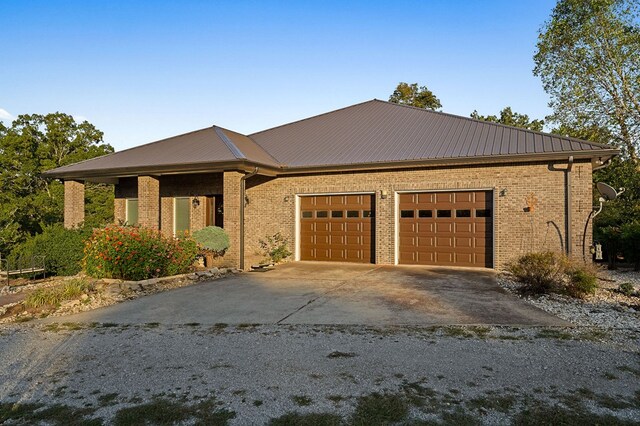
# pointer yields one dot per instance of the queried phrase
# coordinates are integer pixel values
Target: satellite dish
(607, 192)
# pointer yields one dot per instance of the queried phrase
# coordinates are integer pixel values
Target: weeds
(54, 296)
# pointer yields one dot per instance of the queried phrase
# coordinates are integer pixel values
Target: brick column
(231, 200)
(149, 202)
(73, 203)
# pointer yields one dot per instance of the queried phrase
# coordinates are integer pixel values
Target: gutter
(567, 202)
(242, 201)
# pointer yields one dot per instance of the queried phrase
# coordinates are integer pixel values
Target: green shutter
(132, 211)
(182, 221)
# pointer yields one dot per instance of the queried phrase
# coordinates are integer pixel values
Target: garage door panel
(335, 227)
(454, 228)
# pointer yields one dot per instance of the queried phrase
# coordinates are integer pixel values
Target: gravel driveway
(253, 374)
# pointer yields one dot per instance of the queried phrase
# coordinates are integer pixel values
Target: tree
(31, 145)
(510, 118)
(588, 57)
(411, 94)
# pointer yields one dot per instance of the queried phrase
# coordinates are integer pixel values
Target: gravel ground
(607, 308)
(257, 373)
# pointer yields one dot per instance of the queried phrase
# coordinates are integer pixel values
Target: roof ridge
(281, 164)
(448, 114)
(309, 118)
(229, 143)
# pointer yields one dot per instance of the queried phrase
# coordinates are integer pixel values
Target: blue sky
(141, 71)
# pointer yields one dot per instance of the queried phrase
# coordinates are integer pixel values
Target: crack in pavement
(332, 289)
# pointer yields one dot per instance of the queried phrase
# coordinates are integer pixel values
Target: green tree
(411, 94)
(510, 118)
(588, 57)
(31, 145)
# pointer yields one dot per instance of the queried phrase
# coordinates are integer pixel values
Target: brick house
(374, 182)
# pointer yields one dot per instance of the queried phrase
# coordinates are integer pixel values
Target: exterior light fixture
(503, 192)
(195, 202)
(383, 194)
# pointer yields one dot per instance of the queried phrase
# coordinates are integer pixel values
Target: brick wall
(271, 206)
(73, 203)
(149, 202)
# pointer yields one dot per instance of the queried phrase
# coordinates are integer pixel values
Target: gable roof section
(379, 132)
(368, 134)
(198, 149)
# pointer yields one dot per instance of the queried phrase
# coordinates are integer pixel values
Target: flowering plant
(135, 253)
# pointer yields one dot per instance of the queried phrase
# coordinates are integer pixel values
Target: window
(463, 213)
(483, 212)
(131, 213)
(406, 213)
(322, 213)
(337, 213)
(367, 213)
(425, 213)
(307, 214)
(181, 215)
(444, 213)
(353, 213)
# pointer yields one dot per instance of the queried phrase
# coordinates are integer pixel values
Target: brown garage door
(337, 227)
(446, 228)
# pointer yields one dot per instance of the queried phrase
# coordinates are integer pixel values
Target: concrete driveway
(333, 293)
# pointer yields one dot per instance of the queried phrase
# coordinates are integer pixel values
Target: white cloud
(4, 115)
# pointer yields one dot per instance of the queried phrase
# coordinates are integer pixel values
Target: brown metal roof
(370, 133)
(381, 132)
(211, 145)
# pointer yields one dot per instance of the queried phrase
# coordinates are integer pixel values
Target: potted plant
(213, 242)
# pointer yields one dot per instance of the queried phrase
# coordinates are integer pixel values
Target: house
(374, 182)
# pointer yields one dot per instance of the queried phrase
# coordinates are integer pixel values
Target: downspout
(567, 202)
(242, 202)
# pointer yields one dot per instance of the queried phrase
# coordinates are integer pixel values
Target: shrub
(275, 247)
(540, 272)
(582, 281)
(549, 272)
(62, 249)
(134, 253)
(212, 238)
(627, 289)
(53, 296)
(630, 239)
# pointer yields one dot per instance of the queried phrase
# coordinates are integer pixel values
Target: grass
(546, 415)
(502, 404)
(54, 296)
(57, 415)
(338, 354)
(302, 400)
(311, 419)
(380, 409)
(165, 412)
(107, 399)
(552, 333)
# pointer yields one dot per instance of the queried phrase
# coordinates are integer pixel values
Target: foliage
(62, 249)
(133, 253)
(630, 233)
(411, 94)
(275, 247)
(550, 272)
(541, 272)
(627, 289)
(212, 238)
(30, 146)
(588, 57)
(582, 281)
(53, 296)
(510, 118)
(380, 409)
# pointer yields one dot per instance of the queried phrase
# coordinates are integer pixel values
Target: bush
(582, 281)
(213, 239)
(134, 253)
(540, 272)
(275, 248)
(53, 296)
(549, 272)
(627, 289)
(62, 249)
(630, 235)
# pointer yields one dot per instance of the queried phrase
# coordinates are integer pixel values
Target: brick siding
(73, 203)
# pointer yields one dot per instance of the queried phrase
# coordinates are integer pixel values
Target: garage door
(446, 228)
(337, 227)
